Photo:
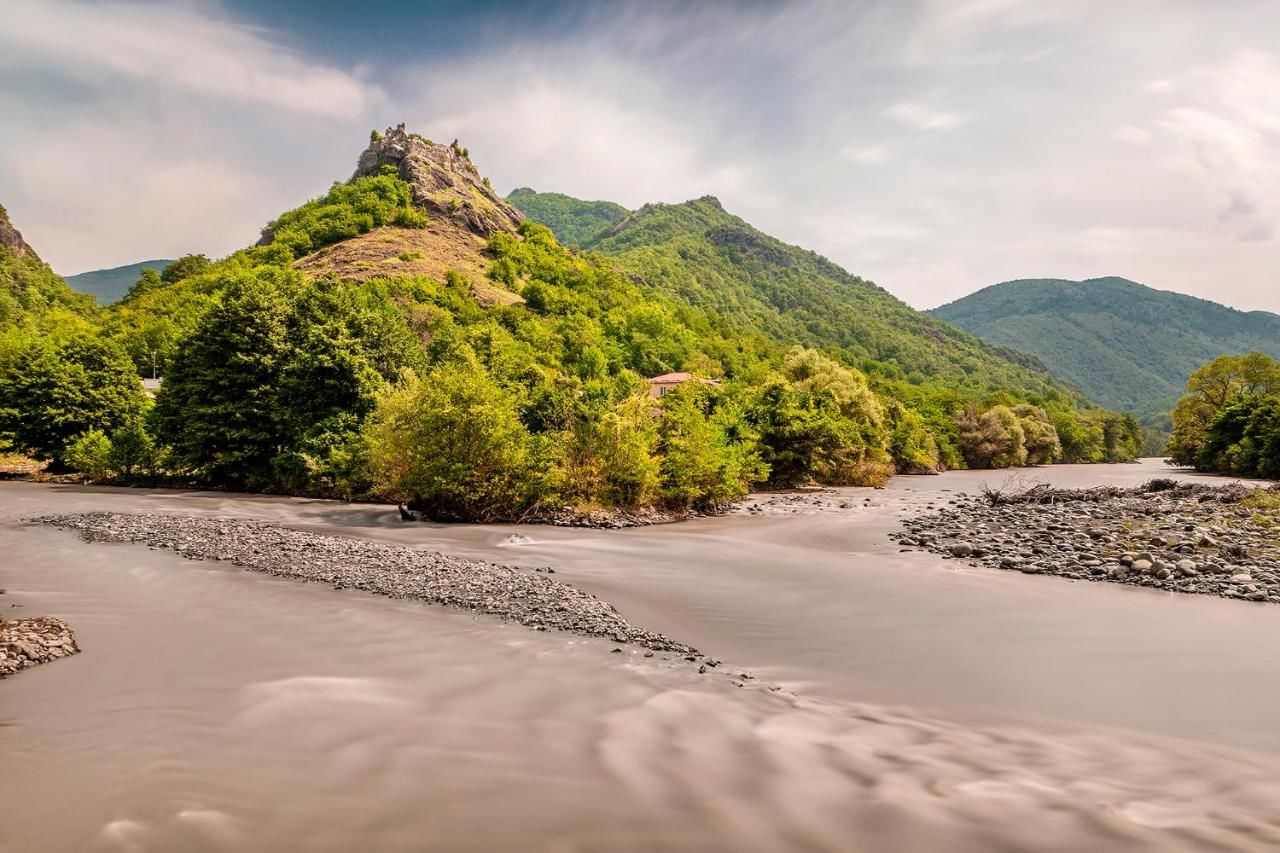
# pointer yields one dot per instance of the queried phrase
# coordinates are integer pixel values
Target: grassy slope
(1127, 346)
(110, 285)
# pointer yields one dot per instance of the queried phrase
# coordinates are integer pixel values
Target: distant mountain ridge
(110, 285)
(1127, 346)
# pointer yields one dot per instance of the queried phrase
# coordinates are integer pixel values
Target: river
(899, 701)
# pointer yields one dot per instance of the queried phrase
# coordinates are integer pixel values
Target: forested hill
(29, 289)
(574, 222)
(110, 285)
(1127, 346)
(706, 257)
(412, 335)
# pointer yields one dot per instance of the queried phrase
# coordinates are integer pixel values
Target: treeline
(409, 387)
(1229, 420)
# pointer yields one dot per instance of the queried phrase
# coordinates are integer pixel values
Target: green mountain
(703, 256)
(574, 222)
(1127, 346)
(110, 285)
(411, 335)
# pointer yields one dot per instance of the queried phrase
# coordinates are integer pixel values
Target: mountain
(460, 212)
(700, 254)
(412, 335)
(29, 289)
(575, 222)
(1127, 346)
(110, 285)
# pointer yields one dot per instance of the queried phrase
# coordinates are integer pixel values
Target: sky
(932, 146)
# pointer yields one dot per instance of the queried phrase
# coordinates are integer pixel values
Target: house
(660, 385)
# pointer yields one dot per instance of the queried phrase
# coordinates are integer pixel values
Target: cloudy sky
(934, 146)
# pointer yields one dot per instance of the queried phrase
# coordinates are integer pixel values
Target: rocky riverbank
(1181, 537)
(529, 597)
(27, 642)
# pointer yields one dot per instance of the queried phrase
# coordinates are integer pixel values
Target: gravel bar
(529, 597)
(1180, 537)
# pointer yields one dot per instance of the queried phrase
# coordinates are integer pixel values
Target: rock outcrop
(446, 184)
(10, 238)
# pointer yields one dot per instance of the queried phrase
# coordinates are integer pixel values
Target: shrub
(90, 454)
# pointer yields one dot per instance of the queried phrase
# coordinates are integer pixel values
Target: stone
(1141, 566)
(961, 549)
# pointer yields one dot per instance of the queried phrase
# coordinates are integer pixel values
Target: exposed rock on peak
(445, 182)
(10, 238)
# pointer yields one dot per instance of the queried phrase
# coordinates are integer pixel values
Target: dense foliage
(574, 222)
(1229, 419)
(1127, 346)
(431, 391)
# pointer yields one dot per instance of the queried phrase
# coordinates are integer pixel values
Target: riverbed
(896, 701)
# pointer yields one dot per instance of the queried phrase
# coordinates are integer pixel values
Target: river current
(899, 701)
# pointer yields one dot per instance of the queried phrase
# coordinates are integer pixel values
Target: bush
(994, 440)
(132, 451)
(90, 454)
(454, 440)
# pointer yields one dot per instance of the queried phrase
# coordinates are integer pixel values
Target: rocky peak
(10, 238)
(445, 182)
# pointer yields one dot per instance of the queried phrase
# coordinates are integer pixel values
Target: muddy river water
(899, 701)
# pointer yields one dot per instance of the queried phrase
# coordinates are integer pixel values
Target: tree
(994, 440)
(131, 450)
(184, 267)
(90, 454)
(57, 389)
(454, 440)
(218, 407)
(1211, 388)
(1039, 435)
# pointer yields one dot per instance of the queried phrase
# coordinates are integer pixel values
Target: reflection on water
(219, 710)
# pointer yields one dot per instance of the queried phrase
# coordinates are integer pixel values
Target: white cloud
(1131, 135)
(865, 154)
(178, 46)
(1225, 137)
(923, 117)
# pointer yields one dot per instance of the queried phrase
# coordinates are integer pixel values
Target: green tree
(132, 450)
(993, 440)
(218, 408)
(90, 454)
(185, 267)
(56, 389)
(454, 440)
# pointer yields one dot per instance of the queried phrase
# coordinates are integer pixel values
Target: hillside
(110, 285)
(412, 336)
(1127, 346)
(706, 257)
(29, 289)
(575, 222)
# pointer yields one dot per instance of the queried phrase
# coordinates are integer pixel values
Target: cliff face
(10, 238)
(445, 182)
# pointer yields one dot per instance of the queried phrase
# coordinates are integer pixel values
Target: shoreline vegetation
(509, 380)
